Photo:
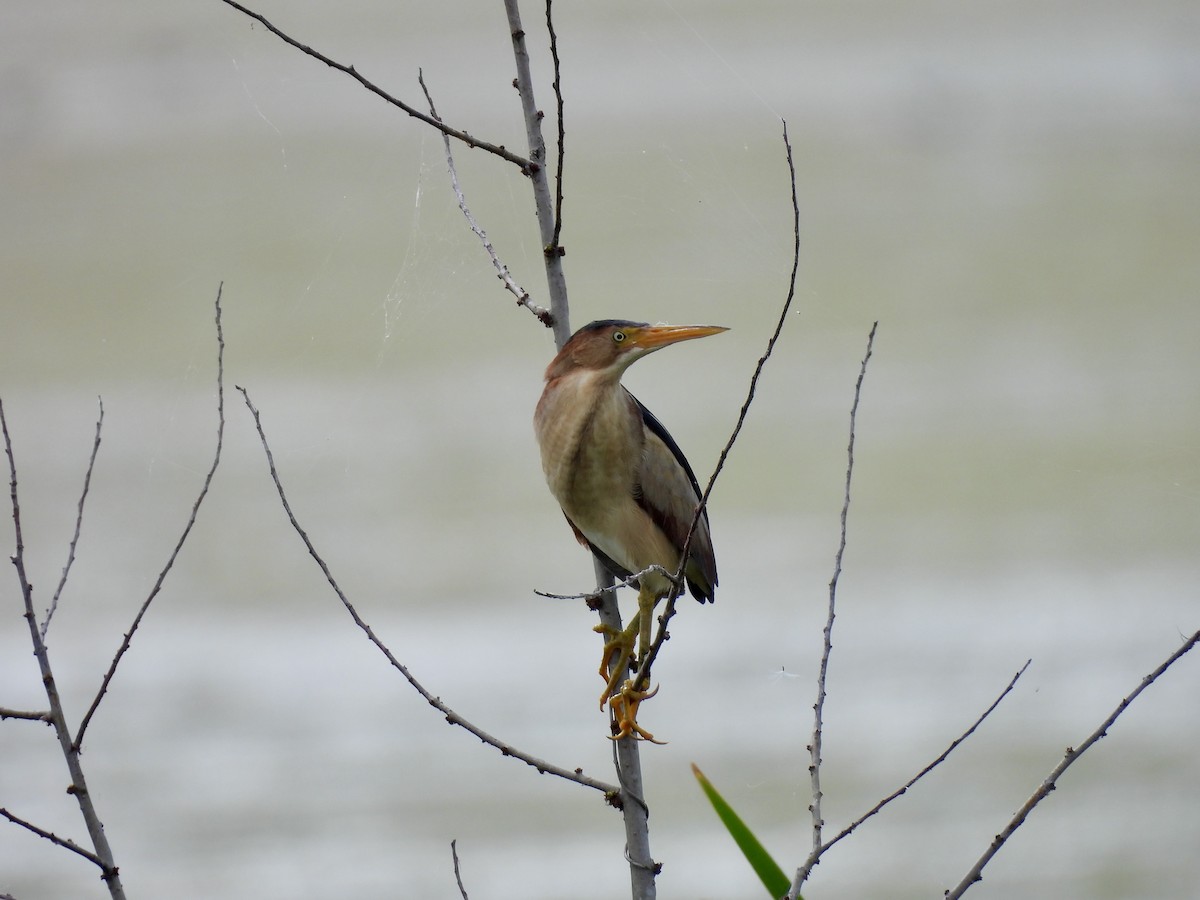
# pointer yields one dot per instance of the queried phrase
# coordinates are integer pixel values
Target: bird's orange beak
(653, 337)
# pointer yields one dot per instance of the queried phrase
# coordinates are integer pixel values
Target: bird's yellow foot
(622, 697)
(624, 706)
(614, 662)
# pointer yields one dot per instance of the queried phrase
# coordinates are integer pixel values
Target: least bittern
(624, 485)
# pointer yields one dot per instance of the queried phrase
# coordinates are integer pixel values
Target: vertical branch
(555, 278)
(462, 891)
(627, 761)
(78, 787)
(814, 747)
(562, 134)
(642, 868)
(636, 812)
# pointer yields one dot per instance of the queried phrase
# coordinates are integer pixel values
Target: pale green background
(1011, 189)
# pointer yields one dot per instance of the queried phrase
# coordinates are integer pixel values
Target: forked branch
(805, 870)
(187, 530)
(103, 855)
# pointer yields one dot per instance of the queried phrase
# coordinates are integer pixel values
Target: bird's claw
(623, 701)
(624, 707)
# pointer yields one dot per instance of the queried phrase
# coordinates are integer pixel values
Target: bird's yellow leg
(645, 617)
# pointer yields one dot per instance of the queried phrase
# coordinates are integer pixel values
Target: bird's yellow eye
(618, 337)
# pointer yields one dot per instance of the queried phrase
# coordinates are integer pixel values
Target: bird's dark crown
(601, 324)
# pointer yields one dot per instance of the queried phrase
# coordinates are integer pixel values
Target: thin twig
(1069, 757)
(661, 635)
(452, 717)
(53, 838)
(526, 166)
(87, 481)
(631, 581)
(805, 870)
(457, 874)
(814, 746)
(562, 135)
(502, 271)
(187, 530)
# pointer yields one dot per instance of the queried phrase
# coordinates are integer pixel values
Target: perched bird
(623, 483)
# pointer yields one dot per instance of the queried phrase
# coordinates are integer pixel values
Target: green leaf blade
(764, 866)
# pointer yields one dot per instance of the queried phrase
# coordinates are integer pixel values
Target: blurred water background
(1011, 189)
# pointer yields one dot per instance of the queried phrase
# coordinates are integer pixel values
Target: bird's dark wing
(669, 492)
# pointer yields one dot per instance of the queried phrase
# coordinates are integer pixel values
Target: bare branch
(462, 891)
(452, 717)
(187, 530)
(519, 292)
(814, 746)
(52, 837)
(562, 135)
(103, 856)
(526, 166)
(552, 252)
(32, 716)
(626, 753)
(1069, 757)
(803, 872)
(87, 481)
(661, 635)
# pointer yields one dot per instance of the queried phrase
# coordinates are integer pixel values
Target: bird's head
(612, 345)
